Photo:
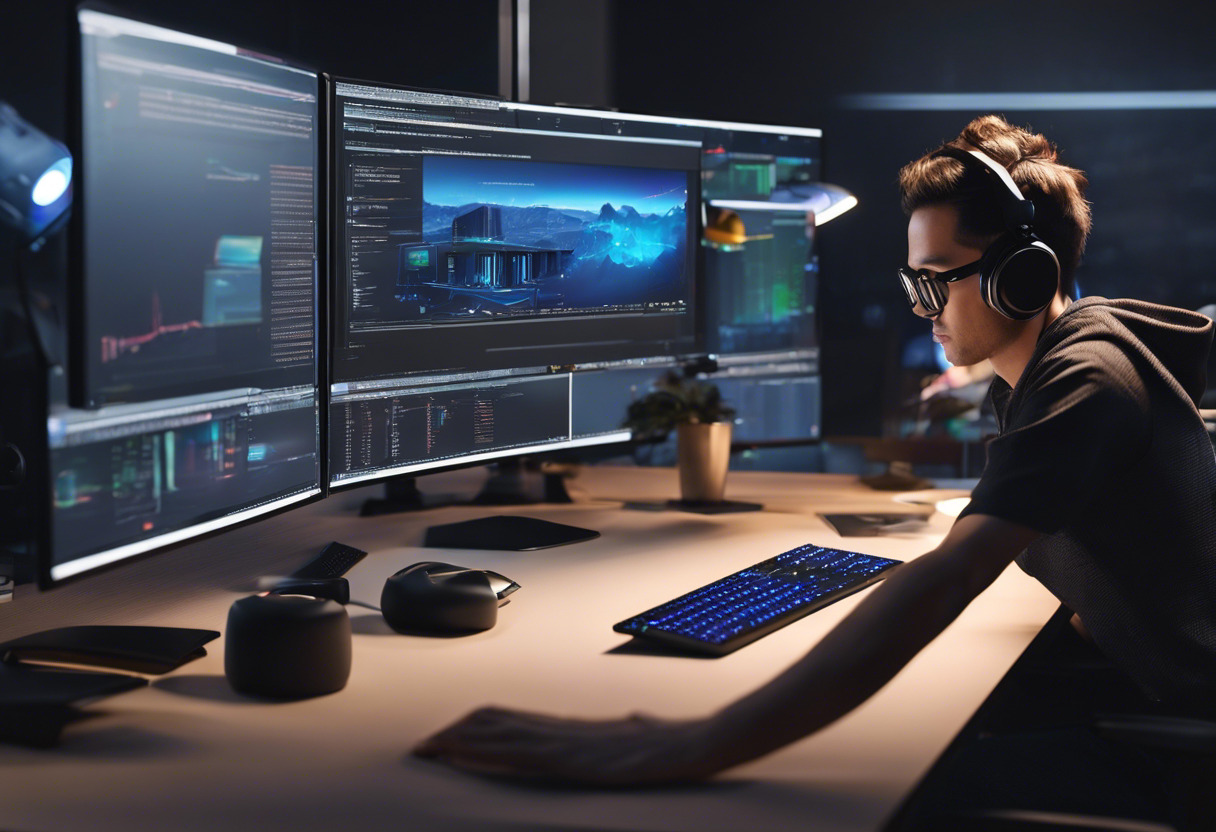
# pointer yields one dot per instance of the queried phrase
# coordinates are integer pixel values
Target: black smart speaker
(287, 646)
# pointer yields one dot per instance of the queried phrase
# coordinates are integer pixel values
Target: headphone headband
(1017, 209)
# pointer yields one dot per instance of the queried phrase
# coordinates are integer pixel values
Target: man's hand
(636, 751)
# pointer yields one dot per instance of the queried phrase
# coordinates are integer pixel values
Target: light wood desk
(187, 753)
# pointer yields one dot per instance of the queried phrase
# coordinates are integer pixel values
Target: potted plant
(702, 421)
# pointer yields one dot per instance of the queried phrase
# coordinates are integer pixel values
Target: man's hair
(1061, 212)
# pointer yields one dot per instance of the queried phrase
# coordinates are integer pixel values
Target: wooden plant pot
(703, 456)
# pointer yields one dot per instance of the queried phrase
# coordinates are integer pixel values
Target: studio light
(35, 177)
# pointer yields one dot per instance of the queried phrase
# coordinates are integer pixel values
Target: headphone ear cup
(1019, 276)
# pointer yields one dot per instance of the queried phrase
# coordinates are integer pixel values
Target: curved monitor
(491, 262)
(195, 297)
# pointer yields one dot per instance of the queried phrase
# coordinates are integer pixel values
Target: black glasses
(927, 293)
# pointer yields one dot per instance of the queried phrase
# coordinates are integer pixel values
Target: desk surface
(187, 753)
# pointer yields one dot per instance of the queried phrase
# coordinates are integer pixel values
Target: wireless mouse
(443, 598)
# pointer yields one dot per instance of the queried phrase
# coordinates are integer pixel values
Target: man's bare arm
(860, 655)
(869, 647)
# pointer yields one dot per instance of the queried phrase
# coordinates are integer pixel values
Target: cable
(353, 603)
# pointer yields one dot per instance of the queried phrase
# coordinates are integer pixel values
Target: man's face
(968, 330)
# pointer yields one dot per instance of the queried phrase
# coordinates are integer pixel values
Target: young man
(1100, 484)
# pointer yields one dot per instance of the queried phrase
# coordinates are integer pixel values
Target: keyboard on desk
(725, 615)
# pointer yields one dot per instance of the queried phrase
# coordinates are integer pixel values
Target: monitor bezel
(44, 561)
(80, 392)
(46, 568)
(412, 470)
(719, 359)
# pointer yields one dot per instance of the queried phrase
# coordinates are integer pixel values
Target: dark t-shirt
(1101, 448)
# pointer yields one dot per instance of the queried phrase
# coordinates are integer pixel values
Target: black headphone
(1019, 273)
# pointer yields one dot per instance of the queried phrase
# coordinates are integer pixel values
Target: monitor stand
(400, 494)
(516, 482)
(512, 482)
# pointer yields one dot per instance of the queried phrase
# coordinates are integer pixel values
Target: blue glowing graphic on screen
(503, 236)
(458, 180)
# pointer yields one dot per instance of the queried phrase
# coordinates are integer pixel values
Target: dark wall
(1152, 172)
(450, 45)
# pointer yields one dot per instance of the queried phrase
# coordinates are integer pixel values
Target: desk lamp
(823, 200)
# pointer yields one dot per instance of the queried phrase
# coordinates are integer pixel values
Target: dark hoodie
(1102, 449)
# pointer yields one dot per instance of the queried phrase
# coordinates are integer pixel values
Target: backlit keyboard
(742, 607)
